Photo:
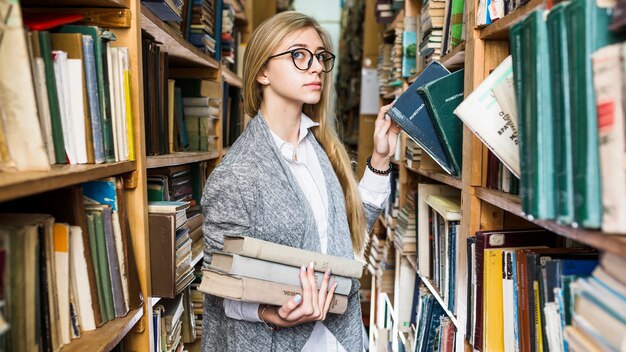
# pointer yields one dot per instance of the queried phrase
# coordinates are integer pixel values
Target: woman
(288, 179)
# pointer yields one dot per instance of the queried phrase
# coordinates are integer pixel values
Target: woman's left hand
(385, 139)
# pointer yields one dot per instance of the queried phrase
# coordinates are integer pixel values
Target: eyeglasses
(303, 59)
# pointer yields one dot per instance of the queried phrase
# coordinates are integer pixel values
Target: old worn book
(255, 248)
(253, 290)
(608, 82)
(235, 264)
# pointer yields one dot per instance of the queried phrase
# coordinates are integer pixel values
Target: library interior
(502, 222)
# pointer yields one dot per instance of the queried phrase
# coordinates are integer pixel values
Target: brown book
(253, 290)
(72, 43)
(135, 297)
(162, 258)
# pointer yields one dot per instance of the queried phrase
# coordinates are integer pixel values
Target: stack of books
(413, 154)
(384, 11)
(229, 42)
(201, 116)
(197, 301)
(385, 66)
(169, 312)
(405, 239)
(397, 54)
(202, 28)
(253, 270)
(171, 183)
(432, 18)
(170, 248)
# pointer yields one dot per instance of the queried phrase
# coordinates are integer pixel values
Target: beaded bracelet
(376, 171)
(270, 328)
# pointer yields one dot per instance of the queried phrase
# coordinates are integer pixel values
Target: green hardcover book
(587, 31)
(101, 255)
(529, 42)
(517, 48)
(540, 118)
(456, 22)
(101, 38)
(441, 97)
(45, 47)
(561, 111)
(91, 229)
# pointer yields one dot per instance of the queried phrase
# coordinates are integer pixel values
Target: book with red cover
(47, 20)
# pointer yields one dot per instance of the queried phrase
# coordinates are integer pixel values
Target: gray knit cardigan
(253, 193)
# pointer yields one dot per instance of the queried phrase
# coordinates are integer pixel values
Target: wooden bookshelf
(499, 30)
(438, 176)
(20, 184)
(231, 78)
(611, 243)
(179, 158)
(181, 52)
(413, 262)
(107, 336)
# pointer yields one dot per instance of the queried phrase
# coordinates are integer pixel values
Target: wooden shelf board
(231, 78)
(413, 262)
(455, 58)
(499, 30)
(181, 52)
(443, 178)
(78, 3)
(179, 158)
(19, 184)
(606, 242)
(107, 336)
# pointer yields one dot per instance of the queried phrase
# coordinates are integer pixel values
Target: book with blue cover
(410, 113)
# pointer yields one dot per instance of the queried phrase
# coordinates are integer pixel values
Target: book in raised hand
(248, 289)
(235, 264)
(410, 113)
(482, 114)
(273, 252)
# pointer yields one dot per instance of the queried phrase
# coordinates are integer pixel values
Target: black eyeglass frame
(310, 63)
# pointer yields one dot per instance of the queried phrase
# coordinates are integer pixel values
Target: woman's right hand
(312, 305)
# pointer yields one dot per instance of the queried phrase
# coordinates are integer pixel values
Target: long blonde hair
(263, 42)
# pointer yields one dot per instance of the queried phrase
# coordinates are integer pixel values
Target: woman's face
(282, 78)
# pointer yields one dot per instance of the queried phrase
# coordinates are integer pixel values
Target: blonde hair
(263, 42)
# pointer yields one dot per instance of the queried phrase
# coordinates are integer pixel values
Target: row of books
(567, 148)
(521, 291)
(68, 269)
(176, 121)
(253, 270)
(431, 29)
(432, 329)
(76, 83)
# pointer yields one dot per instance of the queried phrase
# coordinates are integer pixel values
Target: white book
(77, 109)
(608, 79)
(62, 268)
(482, 114)
(18, 106)
(43, 106)
(264, 270)
(122, 64)
(61, 76)
(80, 279)
(119, 248)
(508, 301)
(113, 103)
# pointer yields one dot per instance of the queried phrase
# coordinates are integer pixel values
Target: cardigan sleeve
(225, 205)
(374, 191)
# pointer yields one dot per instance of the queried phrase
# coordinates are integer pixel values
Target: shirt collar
(290, 152)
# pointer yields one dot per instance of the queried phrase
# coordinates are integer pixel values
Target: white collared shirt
(305, 166)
